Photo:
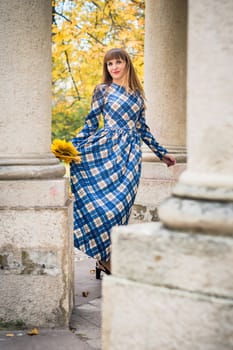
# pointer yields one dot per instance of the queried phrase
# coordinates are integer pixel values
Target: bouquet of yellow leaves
(65, 151)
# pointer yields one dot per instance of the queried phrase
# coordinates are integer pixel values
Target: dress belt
(123, 128)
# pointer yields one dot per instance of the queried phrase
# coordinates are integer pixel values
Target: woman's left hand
(169, 159)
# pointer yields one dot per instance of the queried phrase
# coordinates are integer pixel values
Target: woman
(106, 181)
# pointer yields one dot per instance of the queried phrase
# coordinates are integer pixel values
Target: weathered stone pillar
(204, 191)
(177, 275)
(165, 88)
(35, 213)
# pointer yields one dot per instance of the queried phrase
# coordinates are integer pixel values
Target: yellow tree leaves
(82, 31)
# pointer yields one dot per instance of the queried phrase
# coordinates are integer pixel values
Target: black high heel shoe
(97, 272)
(100, 267)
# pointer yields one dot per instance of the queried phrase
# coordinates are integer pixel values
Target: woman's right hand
(169, 159)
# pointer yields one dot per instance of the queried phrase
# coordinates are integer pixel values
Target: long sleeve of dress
(146, 135)
(92, 119)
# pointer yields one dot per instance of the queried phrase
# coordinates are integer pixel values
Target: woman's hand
(169, 159)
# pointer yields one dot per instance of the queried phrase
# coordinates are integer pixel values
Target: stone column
(178, 273)
(203, 194)
(35, 212)
(165, 88)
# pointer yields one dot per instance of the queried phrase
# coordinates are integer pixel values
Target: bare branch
(72, 77)
(63, 16)
(94, 3)
(89, 34)
(53, 14)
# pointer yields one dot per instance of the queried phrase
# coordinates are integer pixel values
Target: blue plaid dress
(105, 183)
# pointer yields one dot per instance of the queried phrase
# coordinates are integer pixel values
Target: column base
(173, 290)
(207, 186)
(193, 214)
(180, 153)
(36, 253)
(162, 318)
(29, 167)
(156, 184)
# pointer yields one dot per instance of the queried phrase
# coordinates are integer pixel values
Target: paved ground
(85, 326)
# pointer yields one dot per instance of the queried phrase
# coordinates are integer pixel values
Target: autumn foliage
(82, 32)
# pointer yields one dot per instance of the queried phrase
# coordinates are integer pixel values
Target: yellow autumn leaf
(33, 331)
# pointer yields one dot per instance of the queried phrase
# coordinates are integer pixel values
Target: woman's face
(117, 70)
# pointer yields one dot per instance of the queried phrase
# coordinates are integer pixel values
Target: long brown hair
(131, 81)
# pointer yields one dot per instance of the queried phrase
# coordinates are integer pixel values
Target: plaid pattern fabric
(105, 182)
